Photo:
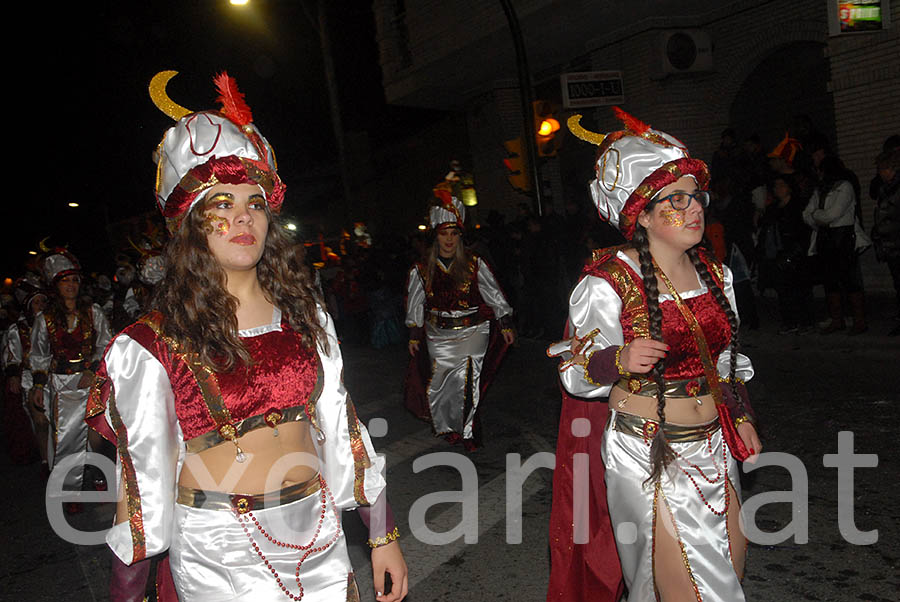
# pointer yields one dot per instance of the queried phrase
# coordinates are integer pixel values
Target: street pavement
(808, 389)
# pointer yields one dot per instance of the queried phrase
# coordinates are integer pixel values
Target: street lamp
(239, 2)
(73, 204)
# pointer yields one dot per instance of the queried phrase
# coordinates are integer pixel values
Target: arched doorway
(790, 81)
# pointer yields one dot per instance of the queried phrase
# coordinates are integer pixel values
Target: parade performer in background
(25, 428)
(460, 327)
(67, 342)
(151, 268)
(238, 445)
(653, 330)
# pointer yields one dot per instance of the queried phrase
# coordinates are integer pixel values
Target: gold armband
(383, 541)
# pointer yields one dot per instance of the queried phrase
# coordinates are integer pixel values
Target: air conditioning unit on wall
(685, 51)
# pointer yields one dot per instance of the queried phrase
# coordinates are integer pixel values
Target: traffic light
(545, 128)
(517, 165)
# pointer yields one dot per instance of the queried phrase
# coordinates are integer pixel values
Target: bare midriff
(679, 410)
(270, 462)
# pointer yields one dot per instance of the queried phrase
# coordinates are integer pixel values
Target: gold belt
(448, 323)
(690, 387)
(271, 419)
(245, 502)
(645, 429)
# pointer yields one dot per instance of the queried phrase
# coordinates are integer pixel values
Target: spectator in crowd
(783, 242)
(831, 213)
(886, 231)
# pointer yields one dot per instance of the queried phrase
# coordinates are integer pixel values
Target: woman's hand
(389, 558)
(640, 355)
(37, 398)
(413, 347)
(15, 385)
(509, 337)
(747, 433)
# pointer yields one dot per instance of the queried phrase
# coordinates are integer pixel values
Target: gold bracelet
(383, 541)
(741, 420)
(414, 340)
(622, 371)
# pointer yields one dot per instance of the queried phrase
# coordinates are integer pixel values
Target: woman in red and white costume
(238, 445)
(67, 342)
(653, 330)
(460, 326)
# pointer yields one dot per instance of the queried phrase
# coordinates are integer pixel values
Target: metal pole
(336, 121)
(526, 96)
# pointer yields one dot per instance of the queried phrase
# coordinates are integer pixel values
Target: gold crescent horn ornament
(574, 123)
(161, 99)
(43, 245)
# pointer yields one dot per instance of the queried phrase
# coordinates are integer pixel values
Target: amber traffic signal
(546, 127)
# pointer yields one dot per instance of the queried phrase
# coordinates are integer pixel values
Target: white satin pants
(457, 356)
(213, 559)
(705, 464)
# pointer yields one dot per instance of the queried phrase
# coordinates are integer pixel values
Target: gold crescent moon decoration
(161, 99)
(574, 123)
(43, 245)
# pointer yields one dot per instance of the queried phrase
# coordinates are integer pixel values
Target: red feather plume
(233, 104)
(632, 124)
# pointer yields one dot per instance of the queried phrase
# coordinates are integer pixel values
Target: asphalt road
(808, 389)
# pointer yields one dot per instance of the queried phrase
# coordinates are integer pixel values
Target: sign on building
(592, 89)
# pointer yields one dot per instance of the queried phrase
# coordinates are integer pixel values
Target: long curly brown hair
(201, 315)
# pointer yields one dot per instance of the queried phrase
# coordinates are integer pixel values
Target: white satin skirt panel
(701, 467)
(212, 557)
(451, 351)
(69, 436)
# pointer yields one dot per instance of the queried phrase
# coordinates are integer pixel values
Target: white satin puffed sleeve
(415, 299)
(40, 355)
(140, 411)
(744, 369)
(594, 307)
(352, 470)
(491, 292)
(11, 350)
(102, 332)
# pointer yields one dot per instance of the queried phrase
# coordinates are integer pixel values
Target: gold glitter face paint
(672, 217)
(216, 224)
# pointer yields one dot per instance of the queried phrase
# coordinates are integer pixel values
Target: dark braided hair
(694, 255)
(661, 453)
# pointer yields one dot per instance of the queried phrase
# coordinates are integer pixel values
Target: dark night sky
(90, 128)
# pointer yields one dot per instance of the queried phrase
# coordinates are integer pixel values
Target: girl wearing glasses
(652, 363)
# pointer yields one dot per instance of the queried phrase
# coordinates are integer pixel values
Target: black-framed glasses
(682, 200)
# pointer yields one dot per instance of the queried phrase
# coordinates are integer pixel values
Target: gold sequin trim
(361, 459)
(383, 541)
(132, 491)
